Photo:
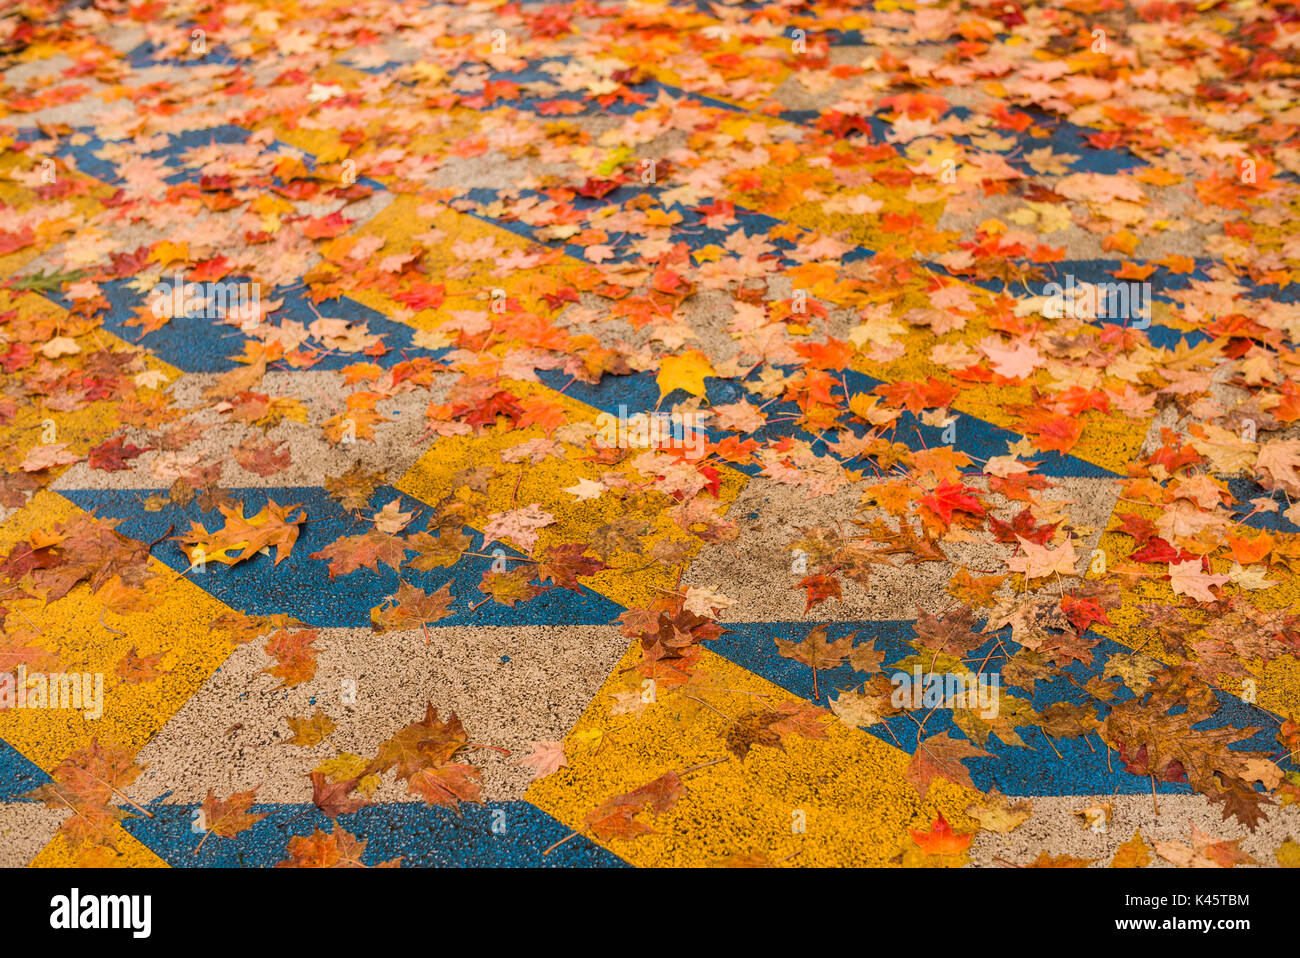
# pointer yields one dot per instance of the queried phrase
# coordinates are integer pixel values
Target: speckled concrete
(509, 687)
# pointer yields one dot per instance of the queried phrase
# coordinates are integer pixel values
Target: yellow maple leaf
(1288, 854)
(686, 371)
(1134, 853)
(167, 252)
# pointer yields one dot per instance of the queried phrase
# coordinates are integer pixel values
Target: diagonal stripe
(301, 586)
(78, 633)
(634, 580)
(422, 836)
(849, 787)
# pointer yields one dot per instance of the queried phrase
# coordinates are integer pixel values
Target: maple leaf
(230, 817)
(940, 756)
(974, 590)
(357, 422)
(436, 552)
(334, 798)
(1039, 561)
(1021, 525)
(111, 455)
(86, 550)
(1155, 737)
(545, 759)
(1052, 432)
(1204, 851)
(14, 651)
(614, 819)
(1045, 860)
(353, 489)
(815, 650)
(239, 628)
(365, 551)
(1013, 362)
(295, 659)
(705, 602)
(391, 519)
(797, 717)
(47, 456)
(308, 732)
(917, 396)
(942, 842)
(1012, 712)
(949, 496)
(866, 707)
(339, 849)
(750, 729)
(820, 588)
(421, 755)
(562, 564)
(621, 535)
(686, 372)
(998, 814)
(507, 588)
(518, 525)
(952, 635)
(1278, 463)
(133, 667)
(1186, 578)
(43, 283)
(262, 458)
(411, 607)
(325, 226)
(1134, 853)
(585, 489)
(15, 488)
(89, 782)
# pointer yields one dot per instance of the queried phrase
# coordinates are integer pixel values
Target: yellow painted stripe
(631, 583)
(126, 852)
(49, 232)
(1277, 684)
(468, 285)
(80, 428)
(1110, 441)
(849, 787)
(76, 629)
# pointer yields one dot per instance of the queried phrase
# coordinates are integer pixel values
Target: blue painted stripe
(206, 344)
(979, 439)
(301, 586)
(146, 55)
(691, 230)
(1081, 769)
(1243, 490)
(18, 774)
(423, 836)
(88, 144)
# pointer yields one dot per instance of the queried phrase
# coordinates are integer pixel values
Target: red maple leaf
(820, 588)
(1083, 612)
(326, 226)
(595, 189)
(953, 495)
(916, 396)
(423, 296)
(112, 454)
(1022, 525)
